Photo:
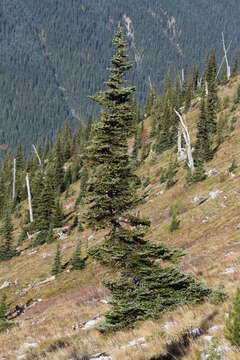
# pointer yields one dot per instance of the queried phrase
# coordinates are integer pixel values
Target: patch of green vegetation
(144, 289)
(219, 295)
(232, 330)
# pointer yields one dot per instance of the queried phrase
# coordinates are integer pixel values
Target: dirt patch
(85, 294)
(191, 262)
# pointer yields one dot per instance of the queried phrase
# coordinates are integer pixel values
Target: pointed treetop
(116, 94)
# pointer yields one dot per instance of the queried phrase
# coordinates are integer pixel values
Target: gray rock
(229, 270)
(87, 324)
(205, 220)
(196, 332)
(5, 285)
(196, 199)
(211, 172)
(104, 301)
(46, 255)
(91, 323)
(214, 194)
(29, 346)
(207, 338)
(50, 279)
(32, 253)
(138, 342)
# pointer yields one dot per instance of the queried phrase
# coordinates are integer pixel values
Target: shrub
(232, 329)
(57, 266)
(222, 178)
(171, 173)
(232, 122)
(4, 324)
(50, 235)
(77, 262)
(218, 296)
(22, 237)
(233, 166)
(175, 223)
(226, 102)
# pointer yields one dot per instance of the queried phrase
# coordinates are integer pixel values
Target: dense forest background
(54, 53)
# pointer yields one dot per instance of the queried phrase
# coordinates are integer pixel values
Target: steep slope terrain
(53, 53)
(55, 323)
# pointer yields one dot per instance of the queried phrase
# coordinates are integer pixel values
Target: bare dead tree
(181, 151)
(187, 141)
(226, 58)
(183, 76)
(14, 179)
(150, 83)
(206, 88)
(29, 199)
(36, 152)
(199, 82)
(179, 141)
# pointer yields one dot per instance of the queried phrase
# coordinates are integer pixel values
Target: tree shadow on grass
(176, 350)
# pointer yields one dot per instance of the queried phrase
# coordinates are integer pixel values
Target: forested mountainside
(53, 53)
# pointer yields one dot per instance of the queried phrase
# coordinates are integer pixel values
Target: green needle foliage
(50, 235)
(202, 148)
(232, 330)
(77, 263)
(212, 98)
(57, 266)
(109, 192)
(144, 289)
(6, 250)
(174, 224)
(58, 215)
(4, 324)
(233, 166)
(3, 307)
(171, 172)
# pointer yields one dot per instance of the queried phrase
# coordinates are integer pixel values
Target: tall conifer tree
(212, 93)
(235, 66)
(6, 250)
(109, 186)
(202, 148)
(144, 289)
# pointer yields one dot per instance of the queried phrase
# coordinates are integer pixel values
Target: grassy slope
(210, 249)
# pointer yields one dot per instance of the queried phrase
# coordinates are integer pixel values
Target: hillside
(53, 54)
(52, 325)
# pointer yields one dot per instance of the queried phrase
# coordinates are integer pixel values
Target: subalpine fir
(57, 266)
(212, 99)
(144, 289)
(203, 144)
(4, 324)
(6, 246)
(77, 262)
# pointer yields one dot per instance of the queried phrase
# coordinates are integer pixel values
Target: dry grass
(210, 249)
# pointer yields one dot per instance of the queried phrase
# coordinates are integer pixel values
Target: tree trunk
(226, 59)
(187, 141)
(36, 152)
(14, 179)
(29, 199)
(206, 88)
